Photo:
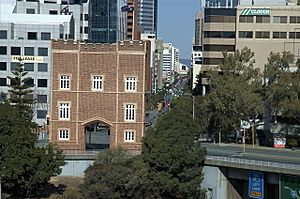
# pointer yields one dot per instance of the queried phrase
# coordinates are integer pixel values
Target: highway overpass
(266, 159)
(227, 169)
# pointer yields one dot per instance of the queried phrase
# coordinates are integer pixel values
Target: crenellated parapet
(128, 45)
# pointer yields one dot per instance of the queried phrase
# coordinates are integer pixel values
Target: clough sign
(28, 59)
(256, 12)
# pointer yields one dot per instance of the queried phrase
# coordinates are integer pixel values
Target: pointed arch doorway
(97, 135)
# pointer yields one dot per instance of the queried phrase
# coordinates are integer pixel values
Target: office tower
(106, 21)
(263, 29)
(148, 16)
(158, 64)
(219, 3)
(132, 31)
(79, 12)
(170, 61)
(26, 30)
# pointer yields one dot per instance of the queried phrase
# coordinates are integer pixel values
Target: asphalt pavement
(256, 153)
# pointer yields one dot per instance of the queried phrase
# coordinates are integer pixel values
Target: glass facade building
(148, 16)
(219, 3)
(106, 21)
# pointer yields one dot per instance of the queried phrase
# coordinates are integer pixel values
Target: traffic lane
(253, 156)
(283, 156)
(256, 149)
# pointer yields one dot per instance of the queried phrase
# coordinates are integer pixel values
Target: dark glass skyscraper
(219, 3)
(106, 21)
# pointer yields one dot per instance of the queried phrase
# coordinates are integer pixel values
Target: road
(256, 153)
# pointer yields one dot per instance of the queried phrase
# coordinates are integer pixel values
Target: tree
(24, 168)
(170, 165)
(187, 87)
(198, 88)
(235, 91)
(20, 88)
(173, 157)
(282, 87)
(115, 174)
(153, 99)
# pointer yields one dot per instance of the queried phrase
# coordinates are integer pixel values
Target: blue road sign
(256, 185)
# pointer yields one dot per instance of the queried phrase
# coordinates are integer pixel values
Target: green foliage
(239, 91)
(173, 157)
(114, 175)
(187, 87)
(20, 85)
(235, 92)
(282, 84)
(153, 99)
(292, 142)
(19, 90)
(68, 194)
(24, 168)
(198, 88)
(170, 165)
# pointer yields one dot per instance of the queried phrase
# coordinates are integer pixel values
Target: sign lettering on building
(28, 59)
(256, 12)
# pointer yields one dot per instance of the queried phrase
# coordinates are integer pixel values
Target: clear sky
(176, 19)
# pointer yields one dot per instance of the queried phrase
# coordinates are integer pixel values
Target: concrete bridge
(227, 170)
(255, 165)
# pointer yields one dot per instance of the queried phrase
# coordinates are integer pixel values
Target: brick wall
(112, 61)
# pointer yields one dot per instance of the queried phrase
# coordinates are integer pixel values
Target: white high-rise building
(26, 30)
(78, 11)
(152, 38)
(170, 62)
(167, 65)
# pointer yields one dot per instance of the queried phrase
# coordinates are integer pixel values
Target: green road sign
(256, 12)
(289, 187)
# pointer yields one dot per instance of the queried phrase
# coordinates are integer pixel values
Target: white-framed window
(63, 134)
(64, 82)
(64, 111)
(97, 83)
(130, 112)
(130, 84)
(129, 136)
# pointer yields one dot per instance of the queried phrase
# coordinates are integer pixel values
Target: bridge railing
(81, 152)
(95, 152)
(254, 162)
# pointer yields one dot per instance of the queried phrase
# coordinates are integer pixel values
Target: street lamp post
(193, 109)
(193, 106)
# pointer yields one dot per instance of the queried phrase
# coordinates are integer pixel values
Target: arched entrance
(97, 136)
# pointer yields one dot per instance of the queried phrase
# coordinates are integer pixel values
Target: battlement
(99, 47)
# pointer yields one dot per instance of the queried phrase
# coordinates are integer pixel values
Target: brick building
(97, 94)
